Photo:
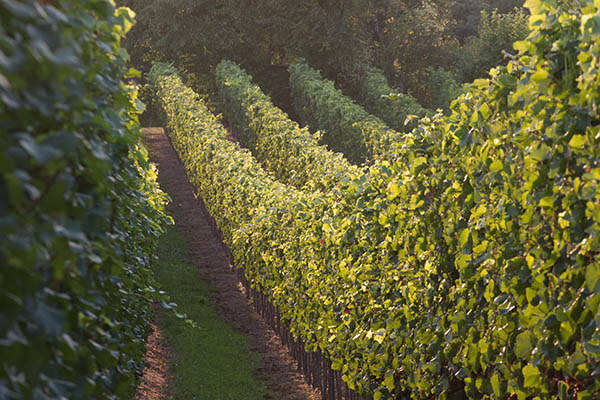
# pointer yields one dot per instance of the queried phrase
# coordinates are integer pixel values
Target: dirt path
(277, 369)
(153, 384)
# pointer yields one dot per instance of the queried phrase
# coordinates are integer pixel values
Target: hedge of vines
(80, 207)
(509, 193)
(468, 266)
(347, 127)
(291, 153)
(240, 195)
(373, 94)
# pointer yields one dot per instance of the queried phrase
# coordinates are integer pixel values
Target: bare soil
(153, 385)
(277, 369)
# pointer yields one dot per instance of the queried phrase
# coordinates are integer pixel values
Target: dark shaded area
(404, 38)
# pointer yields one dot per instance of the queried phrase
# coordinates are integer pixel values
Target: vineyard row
(467, 266)
(292, 154)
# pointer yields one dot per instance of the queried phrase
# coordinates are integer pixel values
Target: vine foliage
(291, 153)
(466, 266)
(378, 98)
(347, 127)
(80, 208)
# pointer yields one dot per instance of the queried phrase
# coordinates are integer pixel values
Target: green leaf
(481, 210)
(547, 201)
(523, 345)
(139, 106)
(577, 141)
(592, 277)
(563, 390)
(485, 111)
(540, 76)
(540, 153)
(13, 336)
(592, 348)
(538, 6)
(379, 335)
(481, 83)
(133, 73)
(42, 154)
(394, 190)
(417, 162)
(532, 376)
(521, 45)
(126, 17)
(495, 381)
(588, 191)
(507, 80)
(389, 382)
(496, 166)
(50, 319)
(464, 237)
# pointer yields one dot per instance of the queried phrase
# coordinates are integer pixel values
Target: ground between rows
(276, 367)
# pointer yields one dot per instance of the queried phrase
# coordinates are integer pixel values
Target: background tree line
(425, 47)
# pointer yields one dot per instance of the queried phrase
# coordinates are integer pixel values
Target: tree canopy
(340, 37)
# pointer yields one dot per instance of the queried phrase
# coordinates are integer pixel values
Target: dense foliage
(443, 88)
(495, 35)
(237, 191)
(347, 127)
(373, 95)
(80, 208)
(467, 266)
(339, 37)
(466, 16)
(510, 195)
(292, 154)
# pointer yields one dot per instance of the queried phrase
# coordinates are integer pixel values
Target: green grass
(213, 360)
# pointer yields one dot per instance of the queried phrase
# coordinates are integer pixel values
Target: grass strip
(212, 360)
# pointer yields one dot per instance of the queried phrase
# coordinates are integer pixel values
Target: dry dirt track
(277, 369)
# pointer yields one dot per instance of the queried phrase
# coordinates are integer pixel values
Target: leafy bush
(442, 88)
(415, 39)
(467, 15)
(348, 127)
(80, 208)
(292, 154)
(373, 96)
(496, 33)
(467, 266)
